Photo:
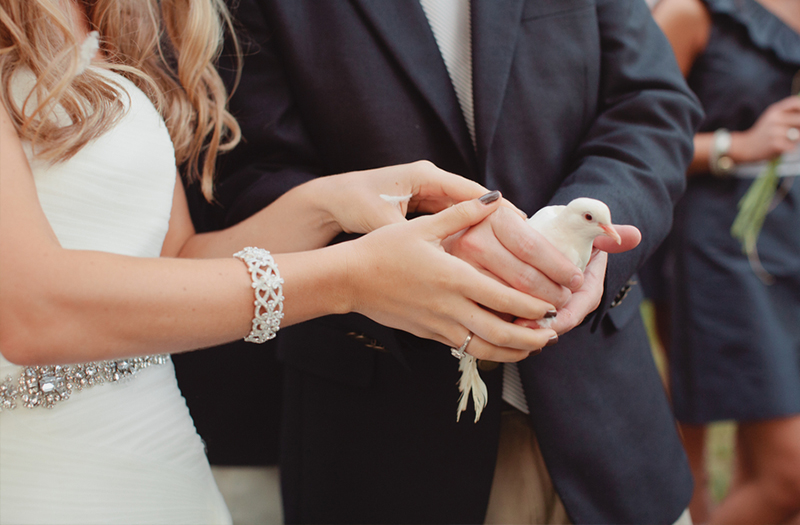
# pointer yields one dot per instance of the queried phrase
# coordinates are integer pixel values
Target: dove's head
(592, 218)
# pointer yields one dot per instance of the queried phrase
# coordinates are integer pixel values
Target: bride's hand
(401, 276)
(363, 201)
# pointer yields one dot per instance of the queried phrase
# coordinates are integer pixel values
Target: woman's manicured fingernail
(550, 314)
(490, 197)
(534, 352)
(553, 340)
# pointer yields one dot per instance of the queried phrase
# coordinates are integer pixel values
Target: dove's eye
(588, 216)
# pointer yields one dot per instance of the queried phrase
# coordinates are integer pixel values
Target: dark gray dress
(736, 341)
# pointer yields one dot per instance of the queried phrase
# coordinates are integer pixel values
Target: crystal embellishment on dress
(44, 386)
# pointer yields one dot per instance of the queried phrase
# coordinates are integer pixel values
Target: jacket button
(623, 293)
(367, 341)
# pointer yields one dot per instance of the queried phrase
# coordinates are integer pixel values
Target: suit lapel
(495, 29)
(404, 29)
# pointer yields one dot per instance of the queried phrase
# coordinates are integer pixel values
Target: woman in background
(735, 341)
(103, 276)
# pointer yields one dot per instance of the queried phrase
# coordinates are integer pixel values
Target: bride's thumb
(464, 214)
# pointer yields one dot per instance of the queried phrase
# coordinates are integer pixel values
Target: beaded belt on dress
(44, 386)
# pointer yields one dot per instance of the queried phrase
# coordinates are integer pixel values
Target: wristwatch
(719, 162)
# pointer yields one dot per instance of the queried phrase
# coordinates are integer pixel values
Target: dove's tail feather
(471, 382)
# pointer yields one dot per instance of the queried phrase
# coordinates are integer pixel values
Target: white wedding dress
(122, 451)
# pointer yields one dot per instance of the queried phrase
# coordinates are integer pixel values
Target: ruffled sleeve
(766, 30)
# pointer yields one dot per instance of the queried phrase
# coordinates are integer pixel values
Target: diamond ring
(793, 134)
(461, 351)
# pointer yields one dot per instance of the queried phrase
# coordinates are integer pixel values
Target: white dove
(572, 230)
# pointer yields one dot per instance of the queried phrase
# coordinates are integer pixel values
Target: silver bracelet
(268, 287)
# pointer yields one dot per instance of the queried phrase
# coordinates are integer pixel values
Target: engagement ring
(461, 351)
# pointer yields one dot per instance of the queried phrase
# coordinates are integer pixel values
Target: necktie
(452, 28)
(451, 25)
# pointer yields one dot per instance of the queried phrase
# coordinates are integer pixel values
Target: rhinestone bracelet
(44, 386)
(268, 287)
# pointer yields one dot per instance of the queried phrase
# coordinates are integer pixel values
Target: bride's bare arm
(59, 305)
(312, 214)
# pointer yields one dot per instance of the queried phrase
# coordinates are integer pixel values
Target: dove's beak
(611, 232)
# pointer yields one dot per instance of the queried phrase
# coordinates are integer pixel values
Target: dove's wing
(548, 222)
(541, 220)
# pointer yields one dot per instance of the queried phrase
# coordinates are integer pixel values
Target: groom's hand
(504, 246)
(586, 300)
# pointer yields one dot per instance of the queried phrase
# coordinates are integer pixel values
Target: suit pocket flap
(333, 347)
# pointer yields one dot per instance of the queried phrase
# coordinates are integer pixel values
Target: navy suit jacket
(572, 98)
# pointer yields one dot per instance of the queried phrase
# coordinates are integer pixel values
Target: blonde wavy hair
(168, 48)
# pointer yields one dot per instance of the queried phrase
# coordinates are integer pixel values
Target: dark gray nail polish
(550, 314)
(553, 340)
(490, 197)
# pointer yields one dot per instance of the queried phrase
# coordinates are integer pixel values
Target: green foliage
(720, 449)
(754, 206)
